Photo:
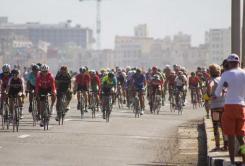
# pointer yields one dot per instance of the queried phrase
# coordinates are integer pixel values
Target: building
(56, 34)
(141, 31)
(218, 43)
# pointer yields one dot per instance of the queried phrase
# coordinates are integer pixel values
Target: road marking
(24, 136)
(68, 120)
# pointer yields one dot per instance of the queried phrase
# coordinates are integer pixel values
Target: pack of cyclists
(124, 84)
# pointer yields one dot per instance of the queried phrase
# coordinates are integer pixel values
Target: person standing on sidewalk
(233, 118)
(216, 105)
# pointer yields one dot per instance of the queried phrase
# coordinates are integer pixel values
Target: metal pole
(235, 27)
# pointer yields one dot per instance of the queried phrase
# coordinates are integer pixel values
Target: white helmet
(6, 68)
(44, 67)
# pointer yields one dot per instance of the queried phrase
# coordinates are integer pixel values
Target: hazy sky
(164, 17)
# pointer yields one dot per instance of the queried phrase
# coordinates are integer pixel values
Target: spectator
(233, 118)
(216, 105)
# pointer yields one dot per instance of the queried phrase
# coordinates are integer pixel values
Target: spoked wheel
(82, 107)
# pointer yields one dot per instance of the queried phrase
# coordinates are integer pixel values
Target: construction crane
(98, 22)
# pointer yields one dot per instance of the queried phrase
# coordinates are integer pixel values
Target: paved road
(123, 141)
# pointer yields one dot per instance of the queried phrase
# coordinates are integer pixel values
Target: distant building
(218, 43)
(55, 34)
(141, 31)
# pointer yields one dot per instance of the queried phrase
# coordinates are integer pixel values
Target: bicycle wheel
(93, 106)
(14, 121)
(136, 107)
(82, 107)
(34, 112)
(180, 105)
(108, 108)
(45, 116)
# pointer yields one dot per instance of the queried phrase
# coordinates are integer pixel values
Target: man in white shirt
(233, 83)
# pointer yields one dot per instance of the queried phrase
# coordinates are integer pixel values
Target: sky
(119, 17)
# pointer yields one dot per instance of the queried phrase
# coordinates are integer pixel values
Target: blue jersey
(139, 81)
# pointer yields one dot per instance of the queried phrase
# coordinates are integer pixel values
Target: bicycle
(194, 98)
(107, 106)
(5, 112)
(136, 105)
(82, 104)
(16, 113)
(45, 112)
(119, 97)
(61, 109)
(34, 108)
(94, 105)
(171, 101)
(179, 101)
(156, 103)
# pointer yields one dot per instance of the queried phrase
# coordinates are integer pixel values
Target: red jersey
(45, 82)
(171, 80)
(4, 82)
(193, 81)
(83, 79)
(95, 81)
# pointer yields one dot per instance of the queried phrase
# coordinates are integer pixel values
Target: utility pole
(235, 27)
(98, 22)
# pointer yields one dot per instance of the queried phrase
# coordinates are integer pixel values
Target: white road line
(23, 136)
(68, 120)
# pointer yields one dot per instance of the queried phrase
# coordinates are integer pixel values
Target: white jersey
(235, 79)
(180, 80)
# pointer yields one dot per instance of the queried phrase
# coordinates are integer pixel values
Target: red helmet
(154, 68)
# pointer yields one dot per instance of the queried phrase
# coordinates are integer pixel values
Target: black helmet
(110, 75)
(15, 72)
(35, 67)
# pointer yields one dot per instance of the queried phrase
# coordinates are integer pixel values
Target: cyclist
(108, 87)
(82, 85)
(167, 72)
(180, 84)
(31, 83)
(155, 88)
(121, 80)
(4, 77)
(95, 85)
(171, 83)
(14, 88)
(139, 86)
(63, 86)
(129, 86)
(193, 85)
(45, 83)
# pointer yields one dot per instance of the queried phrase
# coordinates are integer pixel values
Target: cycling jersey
(193, 81)
(180, 81)
(31, 78)
(139, 81)
(108, 84)
(4, 79)
(121, 79)
(83, 79)
(171, 80)
(15, 86)
(63, 82)
(95, 83)
(45, 83)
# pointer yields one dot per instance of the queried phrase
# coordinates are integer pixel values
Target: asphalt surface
(125, 140)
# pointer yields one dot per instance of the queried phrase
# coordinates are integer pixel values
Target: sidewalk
(216, 158)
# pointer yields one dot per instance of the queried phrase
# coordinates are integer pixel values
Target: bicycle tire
(34, 112)
(82, 107)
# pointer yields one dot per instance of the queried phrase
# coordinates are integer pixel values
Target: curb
(216, 158)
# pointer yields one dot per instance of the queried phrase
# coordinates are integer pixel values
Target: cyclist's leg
(58, 105)
(68, 99)
(78, 99)
(141, 97)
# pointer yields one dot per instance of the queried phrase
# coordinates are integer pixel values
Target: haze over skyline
(163, 17)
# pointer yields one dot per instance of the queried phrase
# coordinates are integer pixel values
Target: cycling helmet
(6, 68)
(34, 67)
(44, 68)
(15, 72)
(110, 75)
(138, 70)
(167, 67)
(154, 68)
(92, 71)
(82, 69)
(193, 73)
(172, 72)
(64, 68)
